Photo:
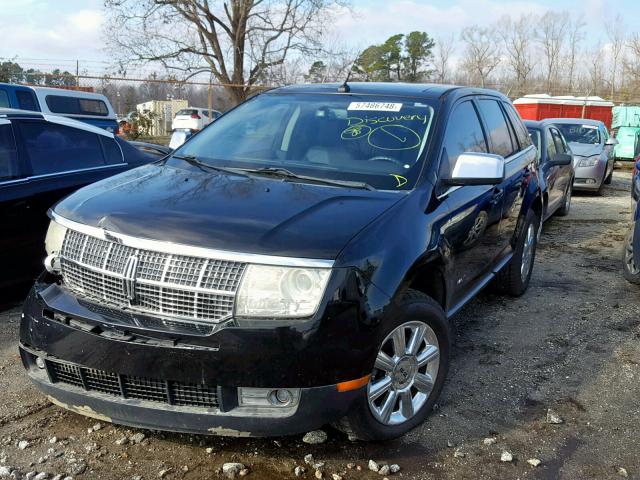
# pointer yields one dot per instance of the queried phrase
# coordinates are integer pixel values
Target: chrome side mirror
(612, 141)
(477, 169)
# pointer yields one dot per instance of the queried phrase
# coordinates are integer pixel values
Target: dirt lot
(570, 344)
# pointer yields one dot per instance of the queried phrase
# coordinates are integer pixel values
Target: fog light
(40, 363)
(268, 397)
(280, 397)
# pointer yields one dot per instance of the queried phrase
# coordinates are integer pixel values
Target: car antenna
(345, 88)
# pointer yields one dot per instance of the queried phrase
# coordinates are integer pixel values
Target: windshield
(378, 141)
(534, 133)
(589, 134)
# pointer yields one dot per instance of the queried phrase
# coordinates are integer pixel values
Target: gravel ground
(570, 344)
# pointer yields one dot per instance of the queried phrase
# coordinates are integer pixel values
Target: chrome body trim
(190, 250)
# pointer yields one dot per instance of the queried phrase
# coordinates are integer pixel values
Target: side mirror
(477, 169)
(612, 141)
(561, 159)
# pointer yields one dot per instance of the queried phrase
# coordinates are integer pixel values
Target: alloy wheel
(527, 252)
(404, 374)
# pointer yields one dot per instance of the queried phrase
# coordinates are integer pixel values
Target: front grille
(126, 386)
(194, 289)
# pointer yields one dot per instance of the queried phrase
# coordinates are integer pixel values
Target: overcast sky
(38, 30)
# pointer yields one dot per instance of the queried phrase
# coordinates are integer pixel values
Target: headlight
(282, 292)
(55, 236)
(589, 162)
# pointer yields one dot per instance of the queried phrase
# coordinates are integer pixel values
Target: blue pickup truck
(88, 107)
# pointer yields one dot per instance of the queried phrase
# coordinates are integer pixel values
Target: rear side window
(497, 128)
(56, 148)
(551, 146)
(76, 106)
(9, 167)
(27, 100)
(521, 131)
(557, 139)
(464, 134)
(4, 100)
(112, 151)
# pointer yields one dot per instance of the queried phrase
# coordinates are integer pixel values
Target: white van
(88, 107)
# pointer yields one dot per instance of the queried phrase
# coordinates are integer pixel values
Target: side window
(112, 151)
(27, 100)
(4, 100)
(551, 146)
(9, 167)
(464, 134)
(497, 128)
(557, 139)
(55, 148)
(521, 131)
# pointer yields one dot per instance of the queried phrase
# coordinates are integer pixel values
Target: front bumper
(315, 407)
(589, 178)
(311, 358)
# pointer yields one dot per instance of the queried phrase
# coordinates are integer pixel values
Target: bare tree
(617, 37)
(481, 52)
(238, 41)
(574, 37)
(632, 64)
(516, 37)
(595, 68)
(551, 32)
(444, 48)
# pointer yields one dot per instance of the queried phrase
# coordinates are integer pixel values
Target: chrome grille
(183, 287)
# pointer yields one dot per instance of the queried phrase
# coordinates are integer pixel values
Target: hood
(585, 149)
(227, 212)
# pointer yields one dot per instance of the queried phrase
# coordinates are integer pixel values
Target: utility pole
(77, 73)
(210, 97)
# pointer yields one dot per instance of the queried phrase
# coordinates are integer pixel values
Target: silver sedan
(592, 149)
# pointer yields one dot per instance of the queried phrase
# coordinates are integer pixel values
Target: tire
(513, 279)
(629, 269)
(563, 211)
(608, 178)
(416, 310)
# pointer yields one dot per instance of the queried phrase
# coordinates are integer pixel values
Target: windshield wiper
(288, 174)
(193, 160)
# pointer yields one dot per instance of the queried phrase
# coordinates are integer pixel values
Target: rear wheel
(408, 375)
(514, 278)
(629, 268)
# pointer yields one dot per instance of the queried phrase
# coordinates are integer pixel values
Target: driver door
(471, 230)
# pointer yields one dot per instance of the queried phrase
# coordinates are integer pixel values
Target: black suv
(293, 264)
(44, 158)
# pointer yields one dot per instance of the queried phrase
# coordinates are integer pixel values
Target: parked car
(179, 136)
(555, 164)
(42, 159)
(631, 248)
(295, 263)
(592, 148)
(193, 118)
(152, 148)
(89, 107)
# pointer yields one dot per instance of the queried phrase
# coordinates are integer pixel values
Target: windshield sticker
(387, 136)
(590, 127)
(400, 179)
(375, 106)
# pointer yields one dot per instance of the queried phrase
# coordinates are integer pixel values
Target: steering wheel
(384, 158)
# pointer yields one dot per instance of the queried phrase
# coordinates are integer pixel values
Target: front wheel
(630, 270)
(563, 211)
(408, 374)
(514, 278)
